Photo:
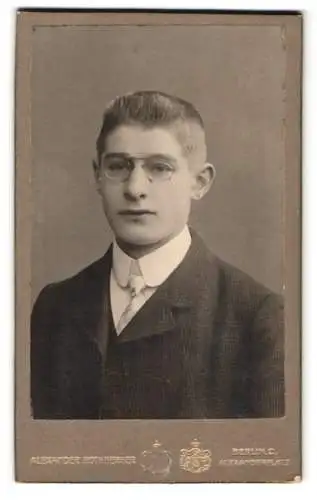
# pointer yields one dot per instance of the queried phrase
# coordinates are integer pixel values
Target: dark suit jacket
(207, 344)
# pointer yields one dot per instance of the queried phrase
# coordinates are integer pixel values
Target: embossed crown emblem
(195, 459)
(157, 460)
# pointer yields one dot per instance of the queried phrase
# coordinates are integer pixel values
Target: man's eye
(161, 167)
(116, 166)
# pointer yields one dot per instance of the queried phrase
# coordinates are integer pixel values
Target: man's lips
(136, 211)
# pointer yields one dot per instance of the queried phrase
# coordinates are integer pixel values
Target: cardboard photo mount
(227, 450)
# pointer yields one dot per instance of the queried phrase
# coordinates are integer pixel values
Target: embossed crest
(195, 459)
(157, 460)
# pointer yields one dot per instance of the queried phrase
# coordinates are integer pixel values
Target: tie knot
(136, 284)
(136, 281)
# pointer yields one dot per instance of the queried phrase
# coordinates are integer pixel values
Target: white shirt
(155, 267)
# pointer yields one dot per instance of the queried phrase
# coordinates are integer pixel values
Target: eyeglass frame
(168, 161)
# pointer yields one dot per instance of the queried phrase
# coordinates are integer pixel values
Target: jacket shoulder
(83, 283)
(243, 291)
(241, 280)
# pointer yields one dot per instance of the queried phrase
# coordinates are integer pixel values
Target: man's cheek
(111, 200)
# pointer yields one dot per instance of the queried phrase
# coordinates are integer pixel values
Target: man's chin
(139, 238)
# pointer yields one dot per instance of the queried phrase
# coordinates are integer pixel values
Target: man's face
(152, 204)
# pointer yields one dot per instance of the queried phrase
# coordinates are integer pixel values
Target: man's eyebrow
(158, 156)
(115, 155)
(161, 156)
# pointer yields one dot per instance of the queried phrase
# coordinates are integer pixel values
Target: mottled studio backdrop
(235, 77)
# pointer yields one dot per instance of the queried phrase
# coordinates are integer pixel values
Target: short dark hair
(148, 108)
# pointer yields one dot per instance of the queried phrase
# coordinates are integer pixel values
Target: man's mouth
(136, 212)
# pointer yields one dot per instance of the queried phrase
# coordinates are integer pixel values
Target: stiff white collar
(155, 266)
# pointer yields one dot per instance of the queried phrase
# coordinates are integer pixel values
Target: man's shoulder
(233, 283)
(239, 279)
(78, 286)
(244, 290)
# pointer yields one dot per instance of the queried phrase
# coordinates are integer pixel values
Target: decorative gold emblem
(157, 460)
(195, 459)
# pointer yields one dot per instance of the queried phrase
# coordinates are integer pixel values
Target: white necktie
(136, 285)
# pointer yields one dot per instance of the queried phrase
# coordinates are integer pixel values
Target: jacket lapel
(176, 299)
(92, 305)
(158, 315)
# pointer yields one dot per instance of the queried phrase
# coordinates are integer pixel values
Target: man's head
(151, 162)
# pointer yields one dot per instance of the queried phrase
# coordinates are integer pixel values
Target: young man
(158, 327)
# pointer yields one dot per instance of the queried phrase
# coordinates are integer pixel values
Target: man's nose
(136, 185)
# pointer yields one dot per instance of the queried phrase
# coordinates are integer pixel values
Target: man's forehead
(179, 139)
(137, 139)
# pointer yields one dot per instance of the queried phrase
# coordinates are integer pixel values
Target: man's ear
(203, 181)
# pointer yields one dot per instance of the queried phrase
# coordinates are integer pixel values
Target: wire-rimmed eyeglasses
(118, 167)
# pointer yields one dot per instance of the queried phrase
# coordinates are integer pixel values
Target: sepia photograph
(158, 283)
(158, 327)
